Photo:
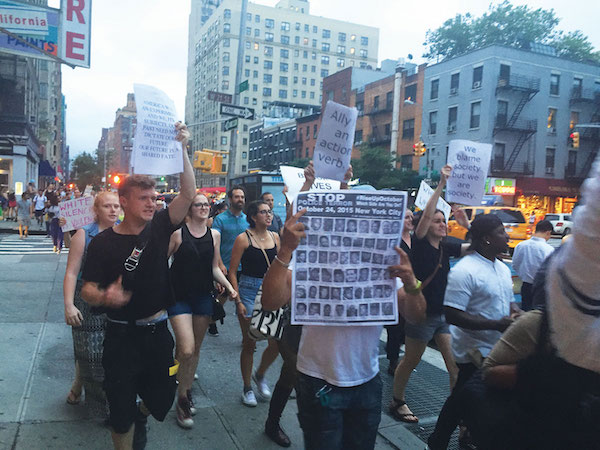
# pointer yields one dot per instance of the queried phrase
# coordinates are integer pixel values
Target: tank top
(254, 263)
(191, 271)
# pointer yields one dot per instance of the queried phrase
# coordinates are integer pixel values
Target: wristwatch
(414, 290)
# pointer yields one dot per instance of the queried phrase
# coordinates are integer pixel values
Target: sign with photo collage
(340, 270)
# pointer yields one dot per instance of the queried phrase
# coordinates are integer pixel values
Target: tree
(299, 162)
(509, 25)
(85, 170)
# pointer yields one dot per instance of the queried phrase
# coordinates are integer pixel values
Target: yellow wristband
(414, 290)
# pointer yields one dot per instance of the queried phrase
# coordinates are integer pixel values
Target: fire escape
(589, 135)
(523, 128)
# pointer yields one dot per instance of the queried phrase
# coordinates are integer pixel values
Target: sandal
(407, 417)
(73, 398)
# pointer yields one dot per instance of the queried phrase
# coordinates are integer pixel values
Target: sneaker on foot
(184, 415)
(249, 399)
(193, 409)
(263, 389)
(212, 330)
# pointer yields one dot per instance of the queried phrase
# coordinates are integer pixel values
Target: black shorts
(39, 213)
(136, 361)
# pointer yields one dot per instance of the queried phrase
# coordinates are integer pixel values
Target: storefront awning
(547, 186)
(46, 170)
(212, 190)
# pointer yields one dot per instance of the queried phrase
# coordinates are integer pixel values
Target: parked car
(562, 223)
(513, 219)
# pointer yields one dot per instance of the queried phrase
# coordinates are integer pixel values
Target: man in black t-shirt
(126, 274)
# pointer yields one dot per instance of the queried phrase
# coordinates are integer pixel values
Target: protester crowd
(521, 376)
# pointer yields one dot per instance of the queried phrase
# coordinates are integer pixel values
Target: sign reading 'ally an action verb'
(155, 150)
(293, 178)
(470, 162)
(78, 213)
(334, 142)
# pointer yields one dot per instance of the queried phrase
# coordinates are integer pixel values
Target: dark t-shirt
(151, 287)
(424, 258)
(276, 224)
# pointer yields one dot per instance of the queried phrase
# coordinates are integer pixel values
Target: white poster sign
(423, 196)
(340, 269)
(155, 150)
(470, 162)
(78, 212)
(334, 142)
(76, 31)
(88, 190)
(293, 178)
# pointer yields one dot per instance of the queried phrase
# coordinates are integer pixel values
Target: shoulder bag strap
(262, 249)
(437, 267)
(133, 260)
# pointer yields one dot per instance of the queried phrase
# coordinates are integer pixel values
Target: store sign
(501, 186)
(76, 31)
(504, 190)
(22, 20)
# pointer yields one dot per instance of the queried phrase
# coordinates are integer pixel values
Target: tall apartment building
(283, 53)
(117, 142)
(525, 103)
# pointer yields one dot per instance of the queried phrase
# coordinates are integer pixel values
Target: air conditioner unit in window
(453, 91)
(476, 84)
(549, 170)
(451, 128)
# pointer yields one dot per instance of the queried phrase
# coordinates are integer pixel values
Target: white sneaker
(249, 399)
(263, 390)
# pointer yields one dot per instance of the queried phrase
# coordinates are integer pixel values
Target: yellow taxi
(513, 219)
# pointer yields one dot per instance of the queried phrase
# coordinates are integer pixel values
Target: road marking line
(29, 382)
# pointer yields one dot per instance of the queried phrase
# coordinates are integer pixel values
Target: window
(226, 27)
(477, 77)
(225, 56)
(554, 84)
(246, 72)
(303, 95)
(352, 50)
(305, 54)
(257, 18)
(433, 122)
(312, 82)
(246, 100)
(284, 53)
(552, 120)
(227, 14)
(502, 115)
(315, 131)
(285, 39)
(283, 67)
(247, 58)
(255, 74)
(266, 92)
(296, 40)
(550, 152)
(376, 103)
(269, 23)
(571, 168)
(254, 101)
(247, 44)
(498, 161)
(325, 46)
(255, 88)
(352, 37)
(282, 93)
(298, 25)
(225, 85)
(452, 118)
(268, 51)
(324, 73)
(342, 37)
(454, 82)
(577, 85)
(295, 93)
(358, 136)
(341, 49)
(326, 34)
(304, 81)
(364, 40)
(435, 89)
(304, 67)
(223, 140)
(313, 69)
(249, 17)
(225, 70)
(268, 64)
(314, 43)
(267, 78)
(574, 119)
(341, 62)
(248, 31)
(226, 42)
(312, 95)
(244, 142)
(330, 95)
(408, 129)
(269, 37)
(475, 115)
(389, 100)
(306, 28)
(256, 46)
(285, 26)
(410, 92)
(283, 80)
(363, 53)
(295, 80)
(315, 29)
(325, 60)
(244, 168)
(257, 32)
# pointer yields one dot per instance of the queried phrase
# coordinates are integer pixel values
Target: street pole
(396, 115)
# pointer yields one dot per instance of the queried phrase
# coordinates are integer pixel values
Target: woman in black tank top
(196, 256)
(256, 248)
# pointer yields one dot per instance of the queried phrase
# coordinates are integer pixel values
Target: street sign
(243, 86)
(230, 124)
(219, 97)
(237, 111)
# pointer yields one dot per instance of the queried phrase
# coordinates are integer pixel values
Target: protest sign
(155, 150)
(334, 142)
(340, 274)
(88, 190)
(78, 212)
(423, 196)
(293, 178)
(470, 162)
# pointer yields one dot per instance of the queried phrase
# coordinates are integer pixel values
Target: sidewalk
(38, 365)
(8, 226)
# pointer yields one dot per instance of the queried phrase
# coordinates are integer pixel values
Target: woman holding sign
(430, 258)
(88, 328)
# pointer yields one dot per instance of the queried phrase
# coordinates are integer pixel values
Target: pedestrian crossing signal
(419, 148)
(575, 139)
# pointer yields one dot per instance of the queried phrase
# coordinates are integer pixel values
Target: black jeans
(526, 296)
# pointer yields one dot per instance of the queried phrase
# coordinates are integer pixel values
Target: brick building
(307, 131)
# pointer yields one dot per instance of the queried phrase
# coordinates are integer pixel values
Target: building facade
(526, 103)
(280, 53)
(272, 146)
(118, 143)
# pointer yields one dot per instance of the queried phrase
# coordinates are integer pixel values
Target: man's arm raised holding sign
(180, 205)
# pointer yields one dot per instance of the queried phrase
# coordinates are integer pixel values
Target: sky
(146, 42)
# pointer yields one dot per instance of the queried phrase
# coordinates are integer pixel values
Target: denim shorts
(248, 287)
(201, 305)
(433, 325)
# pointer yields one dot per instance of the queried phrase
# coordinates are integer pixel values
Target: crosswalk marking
(33, 245)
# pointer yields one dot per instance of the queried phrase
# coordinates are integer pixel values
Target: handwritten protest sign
(293, 178)
(334, 142)
(423, 196)
(155, 150)
(78, 212)
(470, 162)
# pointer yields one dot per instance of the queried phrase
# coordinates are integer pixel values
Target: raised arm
(309, 177)
(73, 316)
(431, 206)
(181, 204)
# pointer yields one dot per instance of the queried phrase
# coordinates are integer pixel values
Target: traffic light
(575, 139)
(117, 179)
(419, 148)
(203, 161)
(217, 164)
(162, 178)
